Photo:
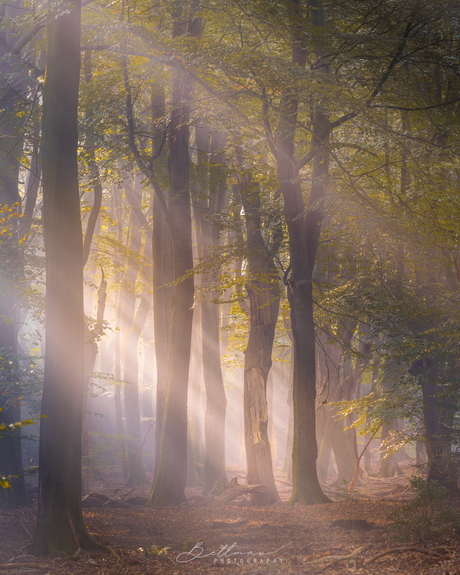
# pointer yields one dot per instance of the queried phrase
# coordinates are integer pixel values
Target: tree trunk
(262, 289)
(438, 459)
(171, 477)
(136, 471)
(303, 230)
(215, 476)
(60, 525)
(162, 275)
(195, 476)
(287, 467)
(148, 403)
(117, 352)
(90, 355)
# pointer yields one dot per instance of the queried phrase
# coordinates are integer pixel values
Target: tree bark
(263, 296)
(171, 477)
(60, 521)
(148, 399)
(162, 275)
(136, 471)
(303, 230)
(206, 208)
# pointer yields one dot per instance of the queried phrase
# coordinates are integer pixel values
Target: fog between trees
(229, 238)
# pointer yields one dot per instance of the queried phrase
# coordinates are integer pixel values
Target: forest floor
(345, 536)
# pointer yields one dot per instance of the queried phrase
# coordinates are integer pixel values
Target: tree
(60, 525)
(170, 480)
(208, 206)
(262, 287)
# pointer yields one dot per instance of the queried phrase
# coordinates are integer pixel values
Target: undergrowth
(428, 516)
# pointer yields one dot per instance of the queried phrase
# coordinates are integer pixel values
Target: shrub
(428, 516)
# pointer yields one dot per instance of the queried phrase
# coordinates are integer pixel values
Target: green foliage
(428, 517)
(4, 483)
(16, 425)
(157, 551)
(21, 378)
(4, 480)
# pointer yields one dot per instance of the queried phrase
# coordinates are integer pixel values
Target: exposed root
(338, 558)
(412, 549)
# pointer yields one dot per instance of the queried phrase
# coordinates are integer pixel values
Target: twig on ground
(126, 494)
(22, 565)
(25, 528)
(337, 558)
(113, 553)
(409, 549)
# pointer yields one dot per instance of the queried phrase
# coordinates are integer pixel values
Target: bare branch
(146, 170)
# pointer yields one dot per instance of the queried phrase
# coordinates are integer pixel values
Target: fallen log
(234, 490)
(229, 495)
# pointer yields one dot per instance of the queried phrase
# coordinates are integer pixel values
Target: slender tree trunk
(287, 466)
(136, 471)
(171, 477)
(162, 275)
(148, 402)
(196, 451)
(60, 525)
(207, 238)
(90, 355)
(117, 352)
(303, 230)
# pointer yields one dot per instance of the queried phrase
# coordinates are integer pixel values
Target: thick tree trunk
(256, 366)
(60, 525)
(262, 288)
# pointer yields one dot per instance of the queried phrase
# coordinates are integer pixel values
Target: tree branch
(146, 170)
(268, 130)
